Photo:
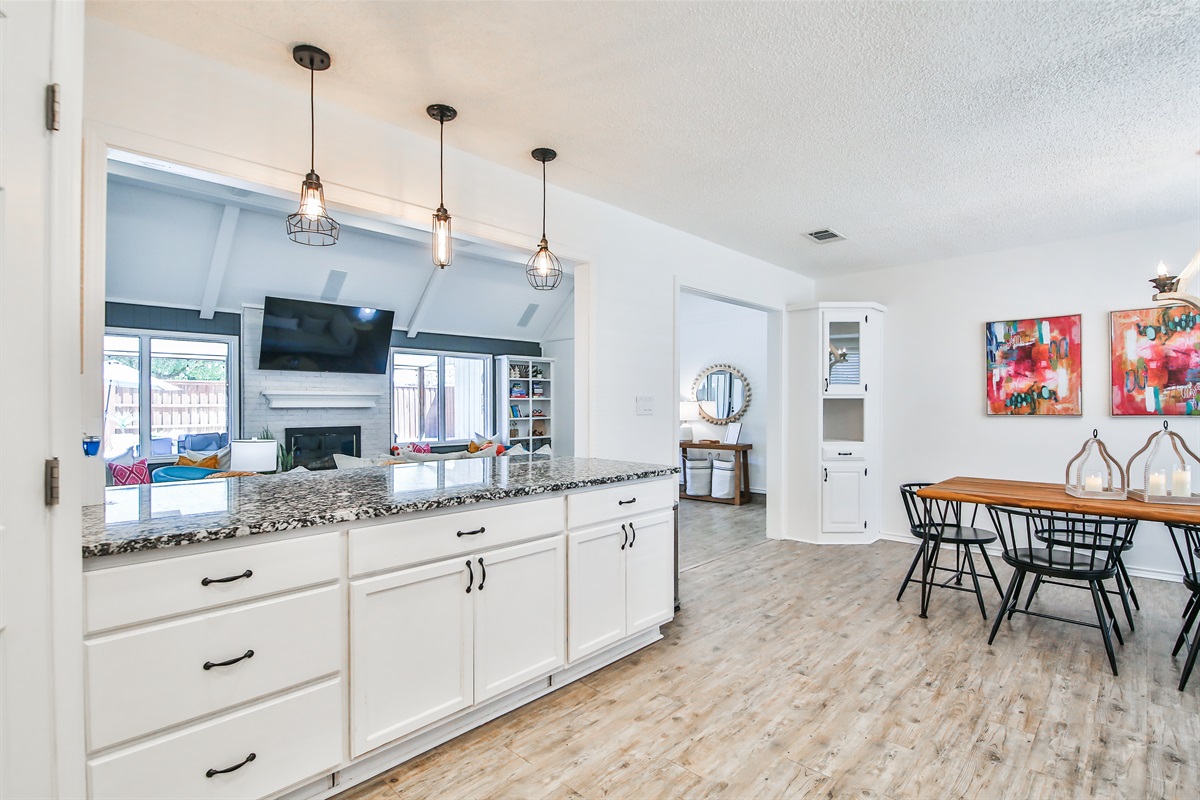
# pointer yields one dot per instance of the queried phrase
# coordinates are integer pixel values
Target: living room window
(166, 393)
(440, 397)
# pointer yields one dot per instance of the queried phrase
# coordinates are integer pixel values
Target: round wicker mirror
(722, 393)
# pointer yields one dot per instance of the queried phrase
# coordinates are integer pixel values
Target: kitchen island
(297, 634)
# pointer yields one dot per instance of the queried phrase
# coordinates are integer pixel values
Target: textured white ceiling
(918, 130)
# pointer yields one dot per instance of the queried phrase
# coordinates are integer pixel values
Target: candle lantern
(1093, 472)
(1169, 472)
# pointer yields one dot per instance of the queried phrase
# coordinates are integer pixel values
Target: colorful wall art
(1033, 366)
(1155, 362)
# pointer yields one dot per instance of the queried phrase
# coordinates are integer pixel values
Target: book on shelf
(517, 390)
(538, 389)
(516, 412)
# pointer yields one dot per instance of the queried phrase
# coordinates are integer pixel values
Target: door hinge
(52, 481)
(52, 90)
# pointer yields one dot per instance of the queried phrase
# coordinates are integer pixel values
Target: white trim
(318, 398)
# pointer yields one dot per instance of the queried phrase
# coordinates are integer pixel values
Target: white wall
(934, 376)
(713, 332)
(151, 97)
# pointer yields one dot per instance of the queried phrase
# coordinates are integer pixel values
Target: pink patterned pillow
(420, 448)
(131, 475)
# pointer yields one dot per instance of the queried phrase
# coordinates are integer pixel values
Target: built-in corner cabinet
(524, 401)
(838, 387)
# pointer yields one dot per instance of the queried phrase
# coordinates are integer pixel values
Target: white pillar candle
(1181, 482)
(1158, 483)
(1093, 482)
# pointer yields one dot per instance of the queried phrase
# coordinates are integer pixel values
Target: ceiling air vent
(530, 310)
(825, 235)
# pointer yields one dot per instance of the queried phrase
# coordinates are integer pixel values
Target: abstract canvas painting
(1033, 366)
(1155, 362)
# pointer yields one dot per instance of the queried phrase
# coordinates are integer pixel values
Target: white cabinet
(411, 658)
(520, 626)
(430, 641)
(620, 581)
(842, 498)
(524, 401)
(849, 356)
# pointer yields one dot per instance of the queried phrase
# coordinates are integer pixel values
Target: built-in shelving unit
(524, 401)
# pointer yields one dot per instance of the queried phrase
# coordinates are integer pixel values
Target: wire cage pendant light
(543, 269)
(443, 246)
(311, 224)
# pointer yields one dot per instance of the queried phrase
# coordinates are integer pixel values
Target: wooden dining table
(1054, 497)
(1042, 497)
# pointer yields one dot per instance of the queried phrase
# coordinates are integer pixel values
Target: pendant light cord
(442, 162)
(312, 121)
(543, 199)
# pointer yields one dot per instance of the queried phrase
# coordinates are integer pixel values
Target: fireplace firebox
(314, 448)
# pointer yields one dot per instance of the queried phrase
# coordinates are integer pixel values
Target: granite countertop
(153, 516)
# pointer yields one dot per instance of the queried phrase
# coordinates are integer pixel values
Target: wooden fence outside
(197, 407)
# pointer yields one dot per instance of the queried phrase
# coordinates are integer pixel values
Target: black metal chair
(939, 522)
(1187, 546)
(1066, 549)
(1125, 588)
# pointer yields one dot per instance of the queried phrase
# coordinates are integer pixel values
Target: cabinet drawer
(843, 451)
(151, 678)
(293, 738)
(400, 544)
(601, 505)
(156, 589)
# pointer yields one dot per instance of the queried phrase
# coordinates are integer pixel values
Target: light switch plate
(645, 406)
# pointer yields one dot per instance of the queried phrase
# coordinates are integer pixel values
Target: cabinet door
(649, 573)
(596, 589)
(842, 498)
(411, 650)
(520, 629)
(843, 335)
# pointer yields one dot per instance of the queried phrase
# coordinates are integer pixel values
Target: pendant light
(544, 270)
(443, 249)
(311, 224)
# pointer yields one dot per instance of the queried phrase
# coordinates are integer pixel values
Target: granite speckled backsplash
(153, 516)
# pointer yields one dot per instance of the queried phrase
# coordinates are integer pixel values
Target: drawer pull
(482, 574)
(470, 576)
(624, 541)
(234, 768)
(242, 657)
(230, 579)
(844, 454)
(478, 530)
(634, 539)
(626, 502)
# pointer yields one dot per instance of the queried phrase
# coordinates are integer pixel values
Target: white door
(842, 498)
(649, 579)
(411, 650)
(520, 630)
(595, 589)
(41, 701)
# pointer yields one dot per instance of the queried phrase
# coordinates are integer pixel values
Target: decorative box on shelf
(1170, 483)
(1090, 473)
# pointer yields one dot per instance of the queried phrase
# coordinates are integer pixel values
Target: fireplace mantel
(319, 398)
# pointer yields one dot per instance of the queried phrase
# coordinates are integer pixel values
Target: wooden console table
(741, 472)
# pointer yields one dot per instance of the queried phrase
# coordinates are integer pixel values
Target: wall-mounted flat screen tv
(322, 337)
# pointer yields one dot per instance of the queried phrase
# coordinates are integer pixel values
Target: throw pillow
(350, 462)
(419, 448)
(544, 450)
(208, 462)
(516, 450)
(133, 475)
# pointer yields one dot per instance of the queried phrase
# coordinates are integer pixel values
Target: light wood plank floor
(793, 672)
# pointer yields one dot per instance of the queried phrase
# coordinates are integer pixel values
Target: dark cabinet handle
(624, 541)
(626, 502)
(826, 471)
(243, 656)
(633, 540)
(844, 454)
(234, 768)
(482, 574)
(230, 579)
(480, 529)
(827, 384)
(470, 576)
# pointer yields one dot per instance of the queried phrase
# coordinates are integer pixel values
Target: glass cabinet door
(843, 333)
